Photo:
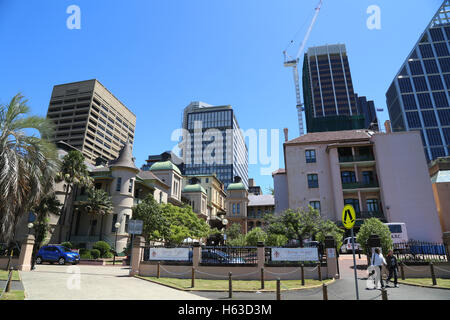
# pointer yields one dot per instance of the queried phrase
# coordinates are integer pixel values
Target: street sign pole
(354, 264)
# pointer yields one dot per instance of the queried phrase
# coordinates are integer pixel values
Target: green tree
(254, 236)
(374, 226)
(27, 162)
(74, 173)
(184, 223)
(329, 228)
(98, 203)
(233, 231)
(239, 241)
(155, 225)
(276, 240)
(47, 205)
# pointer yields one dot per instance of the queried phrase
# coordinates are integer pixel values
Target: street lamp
(224, 222)
(30, 226)
(117, 225)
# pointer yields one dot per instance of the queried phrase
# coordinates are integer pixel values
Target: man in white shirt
(378, 261)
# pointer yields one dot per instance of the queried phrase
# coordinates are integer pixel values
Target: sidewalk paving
(54, 282)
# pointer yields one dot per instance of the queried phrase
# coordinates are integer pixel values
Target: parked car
(347, 245)
(219, 257)
(56, 253)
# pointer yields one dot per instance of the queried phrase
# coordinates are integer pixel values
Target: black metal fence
(223, 255)
(418, 251)
(5, 249)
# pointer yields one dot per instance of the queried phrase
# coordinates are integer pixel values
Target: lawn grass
(4, 275)
(441, 283)
(14, 295)
(238, 285)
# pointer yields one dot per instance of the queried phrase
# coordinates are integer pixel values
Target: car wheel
(61, 261)
(38, 260)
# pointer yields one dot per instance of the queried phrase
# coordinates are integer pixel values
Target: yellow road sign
(348, 216)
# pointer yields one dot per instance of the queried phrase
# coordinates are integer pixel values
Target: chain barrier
(281, 274)
(212, 275)
(415, 270)
(437, 268)
(176, 274)
(312, 270)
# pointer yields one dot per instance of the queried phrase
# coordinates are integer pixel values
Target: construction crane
(289, 62)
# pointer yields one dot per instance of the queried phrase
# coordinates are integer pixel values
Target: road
(54, 282)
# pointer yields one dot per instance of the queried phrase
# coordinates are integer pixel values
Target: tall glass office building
(418, 98)
(228, 148)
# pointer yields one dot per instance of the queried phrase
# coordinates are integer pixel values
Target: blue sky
(158, 56)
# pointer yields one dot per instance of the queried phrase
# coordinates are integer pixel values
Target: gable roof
(332, 136)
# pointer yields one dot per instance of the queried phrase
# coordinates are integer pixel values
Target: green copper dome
(194, 188)
(164, 165)
(236, 186)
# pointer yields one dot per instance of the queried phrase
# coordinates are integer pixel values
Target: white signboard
(174, 254)
(331, 253)
(295, 254)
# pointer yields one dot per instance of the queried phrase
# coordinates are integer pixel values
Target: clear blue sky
(158, 56)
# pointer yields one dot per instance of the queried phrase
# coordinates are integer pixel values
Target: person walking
(378, 261)
(392, 265)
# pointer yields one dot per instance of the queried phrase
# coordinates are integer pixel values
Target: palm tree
(74, 173)
(27, 162)
(49, 204)
(98, 203)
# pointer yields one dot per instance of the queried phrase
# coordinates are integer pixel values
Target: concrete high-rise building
(91, 119)
(330, 101)
(214, 131)
(367, 109)
(418, 98)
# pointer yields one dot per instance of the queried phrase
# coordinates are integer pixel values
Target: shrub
(85, 254)
(254, 236)
(67, 244)
(374, 226)
(276, 240)
(95, 253)
(103, 247)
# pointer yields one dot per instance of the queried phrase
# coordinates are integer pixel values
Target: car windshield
(64, 249)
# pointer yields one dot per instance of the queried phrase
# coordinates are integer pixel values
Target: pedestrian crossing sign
(348, 216)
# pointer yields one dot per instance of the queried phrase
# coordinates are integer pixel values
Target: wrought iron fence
(222, 255)
(5, 249)
(418, 251)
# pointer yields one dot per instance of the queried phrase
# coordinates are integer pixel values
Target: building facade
(439, 171)
(418, 98)
(214, 143)
(90, 118)
(330, 102)
(380, 175)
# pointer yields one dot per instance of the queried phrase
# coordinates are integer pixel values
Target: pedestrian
(378, 261)
(392, 265)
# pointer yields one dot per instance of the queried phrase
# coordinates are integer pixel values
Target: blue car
(59, 254)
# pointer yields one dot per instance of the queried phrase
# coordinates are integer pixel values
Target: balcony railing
(360, 185)
(369, 214)
(367, 157)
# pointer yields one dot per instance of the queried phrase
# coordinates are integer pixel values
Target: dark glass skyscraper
(418, 98)
(228, 147)
(330, 102)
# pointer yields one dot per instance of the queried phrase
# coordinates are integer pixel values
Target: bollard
(278, 289)
(319, 270)
(158, 272)
(9, 259)
(433, 275)
(402, 271)
(114, 259)
(359, 254)
(384, 294)
(230, 286)
(8, 284)
(325, 291)
(193, 277)
(262, 278)
(303, 274)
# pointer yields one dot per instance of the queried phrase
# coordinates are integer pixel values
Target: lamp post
(30, 226)
(224, 222)
(117, 225)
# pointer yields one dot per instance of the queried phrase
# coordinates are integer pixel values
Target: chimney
(286, 137)
(387, 126)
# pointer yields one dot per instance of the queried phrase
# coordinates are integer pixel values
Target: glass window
(437, 152)
(130, 188)
(405, 85)
(426, 51)
(367, 177)
(444, 116)
(434, 137)
(413, 120)
(424, 101)
(437, 34)
(348, 177)
(436, 83)
(310, 156)
(354, 203)
(445, 64)
(372, 205)
(114, 220)
(431, 66)
(415, 67)
(118, 184)
(429, 118)
(441, 49)
(313, 181)
(440, 100)
(420, 84)
(446, 132)
(409, 102)
(315, 205)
